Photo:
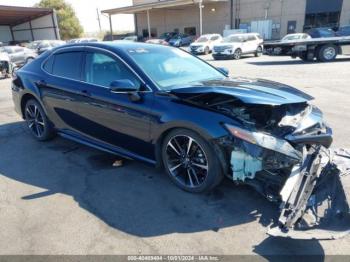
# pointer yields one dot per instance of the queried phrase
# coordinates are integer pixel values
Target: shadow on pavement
(135, 198)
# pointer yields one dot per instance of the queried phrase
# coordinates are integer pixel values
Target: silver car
(19, 55)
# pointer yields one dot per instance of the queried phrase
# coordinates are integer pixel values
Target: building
(24, 24)
(271, 18)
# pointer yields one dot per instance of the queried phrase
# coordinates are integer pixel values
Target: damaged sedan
(163, 106)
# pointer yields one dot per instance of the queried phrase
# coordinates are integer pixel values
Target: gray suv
(19, 55)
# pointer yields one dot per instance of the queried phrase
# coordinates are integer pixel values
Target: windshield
(33, 45)
(291, 37)
(202, 39)
(233, 39)
(170, 67)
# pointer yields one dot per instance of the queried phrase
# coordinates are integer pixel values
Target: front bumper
(315, 200)
(299, 171)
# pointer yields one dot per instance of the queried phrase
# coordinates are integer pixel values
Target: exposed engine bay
(282, 150)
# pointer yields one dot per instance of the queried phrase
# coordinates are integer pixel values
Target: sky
(86, 12)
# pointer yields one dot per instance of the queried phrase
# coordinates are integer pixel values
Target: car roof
(118, 46)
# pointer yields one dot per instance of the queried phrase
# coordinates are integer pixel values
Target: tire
(258, 52)
(237, 54)
(197, 170)
(327, 53)
(37, 122)
(206, 50)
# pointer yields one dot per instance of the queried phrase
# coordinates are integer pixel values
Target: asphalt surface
(60, 197)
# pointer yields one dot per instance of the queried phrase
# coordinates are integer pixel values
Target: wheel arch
(25, 98)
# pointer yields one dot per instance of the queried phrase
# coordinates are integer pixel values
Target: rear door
(63, 92)
(251, 44)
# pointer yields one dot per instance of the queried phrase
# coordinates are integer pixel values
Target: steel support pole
(110, 26)
(148, 25)
(200, 17)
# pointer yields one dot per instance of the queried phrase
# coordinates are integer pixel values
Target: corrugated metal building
(275, 18)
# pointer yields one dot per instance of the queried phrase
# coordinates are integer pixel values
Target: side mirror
(223, 70)
(123, 85)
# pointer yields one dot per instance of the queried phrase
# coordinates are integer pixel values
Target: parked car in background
(236, 45)
(181, 40)
(19, 55)
(157, 41)
(321, 32)
(167, 36)
(204, 44)
(82, 40)
(41, 46)
(297, 36)
(343, 31)
(288, 38)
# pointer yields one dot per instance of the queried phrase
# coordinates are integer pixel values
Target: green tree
(68, 22)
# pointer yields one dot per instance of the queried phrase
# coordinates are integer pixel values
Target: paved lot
(63, 198)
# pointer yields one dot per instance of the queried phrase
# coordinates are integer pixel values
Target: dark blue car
(180, 40)
(166, 107)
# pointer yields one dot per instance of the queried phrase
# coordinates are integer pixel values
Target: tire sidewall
(238, 50)
(48, 132)
(321, 51)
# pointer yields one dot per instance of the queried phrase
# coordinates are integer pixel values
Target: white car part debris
(318, 205)
(244, 166)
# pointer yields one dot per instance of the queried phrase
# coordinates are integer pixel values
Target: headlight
(264, 140)
(241, 133)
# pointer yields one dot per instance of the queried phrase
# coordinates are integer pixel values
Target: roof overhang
(154, 5)
(14, 15)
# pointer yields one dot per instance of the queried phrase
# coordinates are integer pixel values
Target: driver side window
(102, 70)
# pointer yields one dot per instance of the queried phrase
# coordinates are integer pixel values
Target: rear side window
(251, 38)
(67, 65)
(213, 38)
(48, 64)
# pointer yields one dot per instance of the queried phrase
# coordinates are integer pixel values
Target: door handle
(85, 93)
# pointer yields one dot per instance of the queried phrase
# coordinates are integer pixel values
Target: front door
(114, 117)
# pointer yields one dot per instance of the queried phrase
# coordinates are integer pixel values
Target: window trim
(110, 54)
(80, 68)
(84, 49)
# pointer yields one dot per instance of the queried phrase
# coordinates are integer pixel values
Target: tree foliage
(68, 22)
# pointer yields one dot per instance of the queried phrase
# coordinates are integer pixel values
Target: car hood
(199, 44)
(250, 91)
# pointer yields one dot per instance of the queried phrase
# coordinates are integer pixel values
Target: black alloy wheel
(190, 162)
(37, 121)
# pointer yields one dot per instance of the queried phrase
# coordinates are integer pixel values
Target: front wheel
(237, 54)
(190, 161)
(37, 121)
(206, 50)
(258, 51)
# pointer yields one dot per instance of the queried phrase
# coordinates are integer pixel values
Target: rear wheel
(258, 51)
(37, 121)
(327, 53)
(190, 161)
(237, 54)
